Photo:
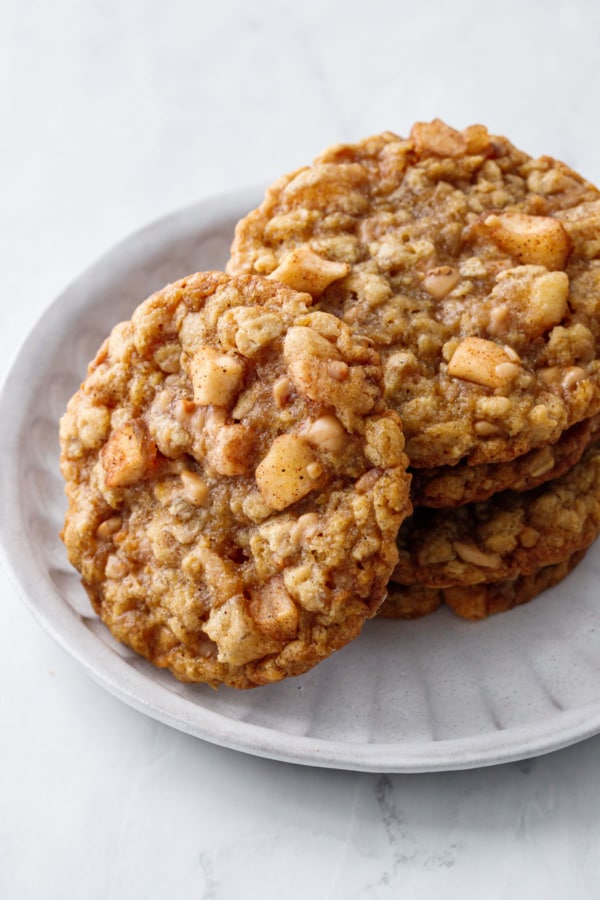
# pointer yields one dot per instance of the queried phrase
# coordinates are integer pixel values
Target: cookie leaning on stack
(235, 481)
(474, 270)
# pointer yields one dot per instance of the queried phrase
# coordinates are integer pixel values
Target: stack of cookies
(393, 392)
(475, 271)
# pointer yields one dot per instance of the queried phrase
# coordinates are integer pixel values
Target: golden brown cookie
(478, 601)
(474, 269)
(456, 485)
(510, 534)
(235, 481)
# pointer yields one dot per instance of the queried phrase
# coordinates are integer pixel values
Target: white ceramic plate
(439, 693)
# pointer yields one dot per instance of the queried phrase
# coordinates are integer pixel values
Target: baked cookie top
(508, 535)
(474, 269)
(235, 481)
(446, 486)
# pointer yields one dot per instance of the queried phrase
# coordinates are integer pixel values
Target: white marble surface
(114, 112)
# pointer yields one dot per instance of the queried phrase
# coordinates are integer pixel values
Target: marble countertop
(115, 112)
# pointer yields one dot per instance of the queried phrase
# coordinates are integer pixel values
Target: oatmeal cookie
(510, 534)
(474, 268)
(478, 601)
(235, 481)
(457, 485)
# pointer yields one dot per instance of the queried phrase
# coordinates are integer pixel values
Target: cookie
(410, 601)
(478, 601)
(235, 481)
(510, 534)
(473, 267)
(457, 485)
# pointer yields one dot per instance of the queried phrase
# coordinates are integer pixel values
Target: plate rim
(133, 687)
